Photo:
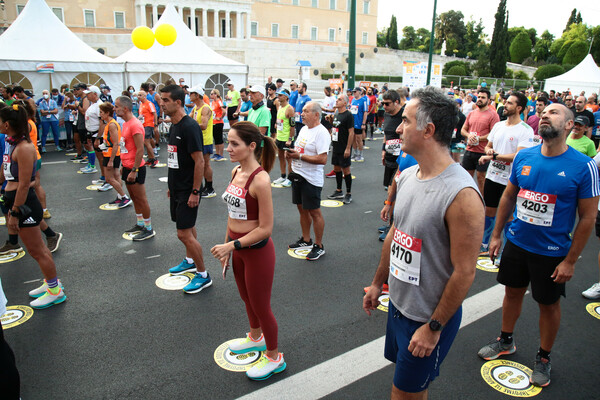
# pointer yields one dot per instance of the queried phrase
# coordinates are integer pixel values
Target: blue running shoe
(197, 284)
(182, 268)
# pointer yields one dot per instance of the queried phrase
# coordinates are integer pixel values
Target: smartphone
(287, 149)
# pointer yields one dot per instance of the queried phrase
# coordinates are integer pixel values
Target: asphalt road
(119, 336)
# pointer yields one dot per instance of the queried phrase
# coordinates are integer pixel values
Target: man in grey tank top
(430, 253)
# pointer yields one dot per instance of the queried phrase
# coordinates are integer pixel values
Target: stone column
(227, 22)
(217, 30)
(142, 15)
(204, 23)
(154, 15)
(238, 25)
(248, 26)
(193, 21)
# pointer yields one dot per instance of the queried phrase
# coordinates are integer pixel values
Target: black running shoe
(301, 244)
(316, 252)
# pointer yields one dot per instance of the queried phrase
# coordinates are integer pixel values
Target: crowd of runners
(511, 176)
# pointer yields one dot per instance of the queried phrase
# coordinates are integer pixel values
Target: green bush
(452, 64)
(576, 52)
(564, 49)
(520, 48)
(548, 71)
(457, 70)
(521, 75)
(509, 73)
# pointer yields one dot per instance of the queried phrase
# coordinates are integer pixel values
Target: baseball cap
(257, 89)
(80, 86)
(197, 89)
(92, 89)
(229, 83)
(280, 80)
(105, 87)
(284, 92)
(582, 120)
(459, 101)
(357, 89)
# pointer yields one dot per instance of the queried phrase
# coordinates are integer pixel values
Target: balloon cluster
(143, 37)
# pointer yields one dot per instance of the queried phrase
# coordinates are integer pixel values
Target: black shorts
(339, 160)
(218, 134)
(148, 132)
(380, 114)
(388, 175)
(116, 163)
(35, 216)
(230, 112)
(140, 178)
(470, 162)
(90, 136)
(309, 196)
(183, 215)
(492, 192)
(280, 144)
(598, 224)
(371, 119)
(357, 132)
(518, 267)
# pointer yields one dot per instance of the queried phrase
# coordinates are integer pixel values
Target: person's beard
(548, 132)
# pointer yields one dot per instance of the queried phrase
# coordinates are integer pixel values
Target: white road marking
(132, 251)
(86, 198)
(54, 162)
(368, 212)
(345, 369)
(156, 256)
(34, 280)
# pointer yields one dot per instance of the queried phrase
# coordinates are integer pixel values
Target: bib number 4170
(405, 257)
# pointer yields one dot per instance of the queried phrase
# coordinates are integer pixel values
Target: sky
(541, 15)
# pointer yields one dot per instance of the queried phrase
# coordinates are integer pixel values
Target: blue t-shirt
(300, 103)
(531, 104)
(596, 123)
(48, 105)
(188, 110)
(405, 160)
(549, 190)
(358, 107)
(293, 98)
(153, 100)
(245, 107)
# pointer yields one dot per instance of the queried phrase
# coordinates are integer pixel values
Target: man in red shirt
(149, 119)
(476, 129)
(372, 112)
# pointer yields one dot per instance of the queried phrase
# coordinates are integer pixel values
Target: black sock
(348, 179)
(208, 185)
(283, 176)
(506, 337)
(13, 239)
(544, 354)
(338, 180)
(49, 232)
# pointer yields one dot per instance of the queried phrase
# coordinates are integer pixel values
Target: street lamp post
(431, 44)
(352, 45)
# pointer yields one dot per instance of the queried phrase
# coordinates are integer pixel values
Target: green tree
(520, 47)
(556, 46)
(576, 53)
(595, 34)
(450, 27)
(457, 70)
(563, 50)
(392, 34)
(578, 20)
(548, 71)
(499, 44)
(474, 38)
(521, 75)
(572, 19)
(456, 65)
(409, 38)
(541, 50)
(382, 37)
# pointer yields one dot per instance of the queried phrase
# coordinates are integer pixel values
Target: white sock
(189, 260)
(203, 274)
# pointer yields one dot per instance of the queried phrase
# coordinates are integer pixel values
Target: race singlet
(6, 161)
(334, 134)
(405, 257)
(235, 197)
(500, 170)
(535, 208)
(173, 161)
(393, 146)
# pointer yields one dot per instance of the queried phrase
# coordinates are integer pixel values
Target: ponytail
(265, 150)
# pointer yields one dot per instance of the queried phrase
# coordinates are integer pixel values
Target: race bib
(141, 118)
(48, 116)
(172, 160)
(537, 139)
(6, 165)
(405, 258)
(235, 197)
(297, 117)
(297, 163)
(122, 146)
(535, 208)
(354, 109)
(393, 146)
(279, 124)
(499, 170)
(71, 118)
(334, 134)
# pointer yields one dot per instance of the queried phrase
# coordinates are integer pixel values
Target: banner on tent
(45, 68)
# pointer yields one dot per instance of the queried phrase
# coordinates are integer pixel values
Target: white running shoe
(278, 181)
(95, 181)
(248, 344)
(592, 293)
(266, 367)
(48, 299)
(286, 183)
(38, 292)
(105, 187)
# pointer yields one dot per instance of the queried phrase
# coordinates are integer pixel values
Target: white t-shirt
(505, 140)
(311, 142)
(92, 117)
(329, 103)
(466, 107)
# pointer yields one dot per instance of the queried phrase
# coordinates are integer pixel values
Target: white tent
(585, 76)
(189, 58)
(37, 37)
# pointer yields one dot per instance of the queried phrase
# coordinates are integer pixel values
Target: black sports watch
(237, 245)
(195, 192)
(495, 156)
(435, 325)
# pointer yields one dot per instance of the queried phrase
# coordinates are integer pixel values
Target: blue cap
(459, 101)
(284, 92)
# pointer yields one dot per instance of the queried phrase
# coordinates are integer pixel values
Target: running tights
(9, 375)
(254, 270)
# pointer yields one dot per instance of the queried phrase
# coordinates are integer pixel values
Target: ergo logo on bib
(236, 190)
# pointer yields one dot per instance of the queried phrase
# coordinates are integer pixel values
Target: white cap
(257, 89)
(92, 89)
(197, 89)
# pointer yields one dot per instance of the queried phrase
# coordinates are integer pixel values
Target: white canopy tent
(37, 37)
(585, 76)
(189, 58)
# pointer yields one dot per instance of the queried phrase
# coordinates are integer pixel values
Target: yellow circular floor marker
(593, 309)
(331, 203)
(109, 207)
(299, 253)
(129, 236)
(235, 362)
(160, 165)
(486, 264)
(2, 220)
(384, 302)
(13, 256)
(174, 282)
(15, 315)
(93, 187)
(509, 377)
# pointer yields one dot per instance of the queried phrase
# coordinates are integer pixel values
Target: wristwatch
(237, 245)
(195, 192)
(494, 156)
(135, 170)
(435, 325)
(16, 214)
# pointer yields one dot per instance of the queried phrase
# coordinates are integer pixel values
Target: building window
(348, 5)
(347, 36)
(295, 2)
(58, 11)
(315, 3)
(365, 38)
(119, 19)
(274, 30)
(332, 34)
(20, 8)
(314, 33)
(254, 28)
(332, 4)
(295, 29)
(365, 7)
(275, 1)
(89, 17)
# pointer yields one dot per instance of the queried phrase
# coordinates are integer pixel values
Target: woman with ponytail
(25, 215)
(248, 243)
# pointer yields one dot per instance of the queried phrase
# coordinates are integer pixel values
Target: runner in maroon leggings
(248, 243)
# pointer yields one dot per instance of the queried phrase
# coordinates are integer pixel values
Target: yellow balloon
(142, 37)
(165, 34)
